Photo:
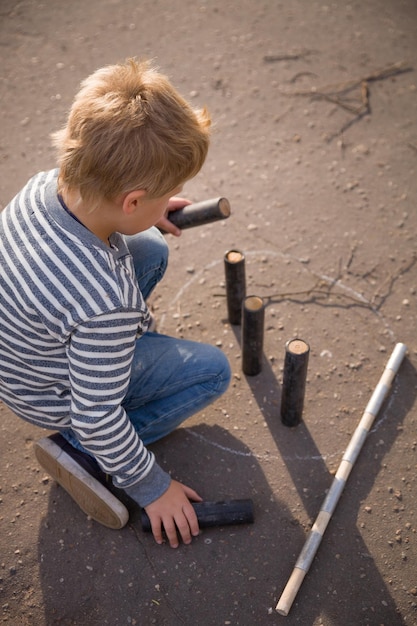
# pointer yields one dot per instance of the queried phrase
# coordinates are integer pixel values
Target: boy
(79, 256)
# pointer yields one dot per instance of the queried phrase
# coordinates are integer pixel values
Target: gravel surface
(315, 146)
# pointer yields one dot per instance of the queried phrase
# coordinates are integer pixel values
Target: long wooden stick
(351, 454)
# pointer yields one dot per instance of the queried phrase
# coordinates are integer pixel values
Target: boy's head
(129, 129)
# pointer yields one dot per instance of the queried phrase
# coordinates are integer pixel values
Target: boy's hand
(164, 223)
(173, 511)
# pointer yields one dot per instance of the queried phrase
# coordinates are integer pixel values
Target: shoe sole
(91, 496)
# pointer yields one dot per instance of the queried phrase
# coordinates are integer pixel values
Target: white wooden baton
(351, 454)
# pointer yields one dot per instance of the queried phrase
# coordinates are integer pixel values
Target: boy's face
(143, 212)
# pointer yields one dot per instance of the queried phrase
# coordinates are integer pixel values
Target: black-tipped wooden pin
(234, 269)
(201, 213)
(253, 316)
(294, 381)
(209, 514)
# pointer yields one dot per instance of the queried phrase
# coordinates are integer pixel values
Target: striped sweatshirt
(70, 312)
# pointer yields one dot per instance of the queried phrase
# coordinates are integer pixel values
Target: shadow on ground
(343, 556)
(233, 574)
(93, 575)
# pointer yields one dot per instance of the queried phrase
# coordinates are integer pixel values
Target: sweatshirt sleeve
(100, 354)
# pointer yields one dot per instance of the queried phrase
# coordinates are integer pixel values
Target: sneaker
(80, 475)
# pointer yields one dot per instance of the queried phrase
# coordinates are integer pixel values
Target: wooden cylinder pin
(201, 213)
(234, 269)
(294, 381)
(253, 316)
(222, 513)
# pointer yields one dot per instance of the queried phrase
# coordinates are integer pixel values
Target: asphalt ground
(322, 185)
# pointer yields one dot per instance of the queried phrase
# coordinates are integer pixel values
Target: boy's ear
(132, 201)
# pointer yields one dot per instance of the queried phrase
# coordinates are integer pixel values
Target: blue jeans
(171, 378)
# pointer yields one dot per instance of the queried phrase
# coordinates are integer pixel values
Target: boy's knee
(158, 241)
(224, 371)
(150, 253)
(162, 248)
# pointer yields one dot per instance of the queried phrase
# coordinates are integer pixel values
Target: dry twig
(341, 93)
(385, 289)
(324, 292)
(339, 89)
(287, 56)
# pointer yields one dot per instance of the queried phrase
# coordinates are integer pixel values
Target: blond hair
(129, 129)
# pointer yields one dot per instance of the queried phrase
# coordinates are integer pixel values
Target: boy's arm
(100, 356)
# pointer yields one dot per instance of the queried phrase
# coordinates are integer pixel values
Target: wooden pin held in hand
(200, 213)
(223, 513)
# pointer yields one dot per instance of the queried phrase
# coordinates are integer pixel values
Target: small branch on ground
(340, 94)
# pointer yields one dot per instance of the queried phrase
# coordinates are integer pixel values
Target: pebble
(360, 149)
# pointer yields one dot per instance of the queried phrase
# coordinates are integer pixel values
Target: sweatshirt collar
(57, 210)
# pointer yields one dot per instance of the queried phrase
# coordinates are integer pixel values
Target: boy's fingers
(192, 520)
(168, 227)
(177, 203)
(173, 515)
(171, 533)
(192, 495)
(168, 527)
(185, 524)
(157, 531)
